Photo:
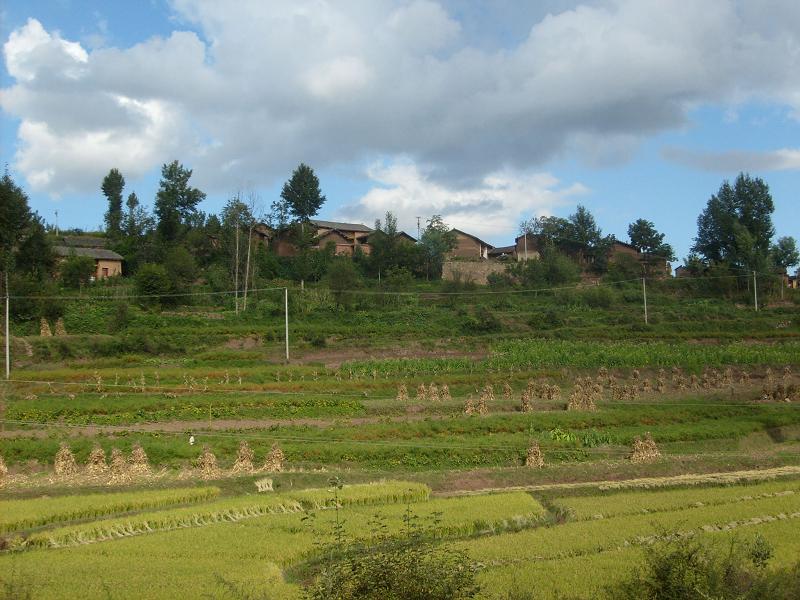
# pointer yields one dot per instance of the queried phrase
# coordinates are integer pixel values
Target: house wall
(466, 247)
(114, 268)
(533, 249)
(475, 270)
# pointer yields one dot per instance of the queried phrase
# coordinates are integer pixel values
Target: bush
(483, 321)
(413, 567)
(120, 318)
(152, 280)
(599, 297)
(678, 569)
(77, 271)
(343, 277)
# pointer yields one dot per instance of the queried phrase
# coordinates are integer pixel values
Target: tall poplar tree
(112, 187)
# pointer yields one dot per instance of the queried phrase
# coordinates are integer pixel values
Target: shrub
(120, 318)
(483, 321)
(599, 297)
(152, 280)
(77, 271)
(677, 569)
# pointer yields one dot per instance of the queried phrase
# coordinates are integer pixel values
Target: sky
(486, 113)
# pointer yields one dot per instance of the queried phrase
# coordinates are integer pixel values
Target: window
(105, 271)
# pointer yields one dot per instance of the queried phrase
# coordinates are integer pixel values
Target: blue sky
(486, 113)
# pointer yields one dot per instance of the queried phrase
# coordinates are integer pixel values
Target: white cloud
(265, 85)
(493, 208)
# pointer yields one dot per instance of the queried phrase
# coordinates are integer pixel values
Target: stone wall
(475, 271)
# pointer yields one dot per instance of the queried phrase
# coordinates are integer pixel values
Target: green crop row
(16, 515)
(631, 503)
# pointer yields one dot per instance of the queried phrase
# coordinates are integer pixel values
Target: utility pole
(419, 234)
(755, 291)
(247, 264)
(286, 319)
(236, 271)
(8, 334)
(525, 237)
(644, 295)
(56, 223)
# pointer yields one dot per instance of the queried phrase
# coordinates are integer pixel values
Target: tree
(342, 278)
(24, 248)
(736, 227)
(112, 187)
(152, 280)
(137, 222)
(77, 271)
(436, 241)
(384, 242)
(181, 268)
(784, 253)
(302, 193)
(583, 228)
(648, 240)
(176, 201)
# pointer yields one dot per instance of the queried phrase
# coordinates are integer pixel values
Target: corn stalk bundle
(274, 461)
(508, 393)
(433, 393)
(744, 378)
(64, 463)
(244, 459)
(3, 471)
(644, 449)
(207, 463)
(469, 406)
(139, 463)
(488, 392)
(422, 392)
(119, 467)
(647, 386)
(635, 375)
(484, 397)
(444, 393)
(60, 329)
(402, 393)
(96, 465)
(526, 401)
(534, 459)
(44, 328)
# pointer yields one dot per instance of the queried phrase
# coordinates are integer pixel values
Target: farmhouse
(107, 262)
(469, 246)
(345, 237)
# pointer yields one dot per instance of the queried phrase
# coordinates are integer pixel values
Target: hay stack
(422, 392)
(433, 393)
(488, 392)
(445, 393)
(244, 459)
(469, 406)
(526, 401)
(60, 329)
(534, 458)
(647, 386)
(645, 450)
(139, 464)
(96, 465)
(119, 467)
(482, 408)
(44, 328)
(402, 393)
(3, 471)
(64, 463)
(274, 461)
(207, 463)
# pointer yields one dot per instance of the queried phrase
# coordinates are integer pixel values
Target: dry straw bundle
(274, 460)
(96, 465)
(644, 450)
(508, 392)
(422, 392)
(60, 329)
(119, 467)
(139, 463)
(207, 464)
(445, 393)
(402, 393)
(469, 406)
(244, 459)
(526, 402)
(64, 463)
(3, 471)
(433, 393)
(44, 328)
(534, 459)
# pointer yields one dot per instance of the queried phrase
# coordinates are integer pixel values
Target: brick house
(469, 246)
(107, 262)
(345, 237)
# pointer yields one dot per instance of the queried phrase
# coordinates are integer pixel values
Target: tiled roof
(96, 253)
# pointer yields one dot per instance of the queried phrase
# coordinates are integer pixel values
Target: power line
(134, 296)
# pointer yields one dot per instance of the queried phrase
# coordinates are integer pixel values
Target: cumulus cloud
(492, 208)
(262, 86)
(784, 159)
